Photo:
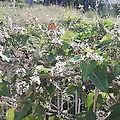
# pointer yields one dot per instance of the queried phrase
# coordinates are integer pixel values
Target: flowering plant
(51, 72)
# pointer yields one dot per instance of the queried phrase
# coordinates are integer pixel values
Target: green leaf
(10, 114)
(87, 67)
(116, 70)
(51, 58)
(40, 110)
(35, 35)
(50, 88)
(90, 116)
(98, 102)
(25, 108)
(115, 107)
(71, 89)
(79, 90)
(106, 38)
(83, 97)
(113, 115)
(98, 77)
(4, 90)
(24, 39)
(90, 100)
(74, 59)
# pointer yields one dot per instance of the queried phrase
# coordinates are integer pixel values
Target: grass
(56, 13)
(44, 13)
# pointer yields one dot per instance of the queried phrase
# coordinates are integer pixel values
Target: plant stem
(95, 99)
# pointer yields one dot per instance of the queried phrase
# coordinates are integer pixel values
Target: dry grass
(44, 13)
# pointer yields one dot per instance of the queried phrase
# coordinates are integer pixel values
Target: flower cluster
(57, 41)
(17, 30)
(35, 79)
(58, 69)
(21, 71)
(3, 35)
(22, 87)
(39, 89)
(94, 56)
(116, 30)
(86, 48)
(100, 115)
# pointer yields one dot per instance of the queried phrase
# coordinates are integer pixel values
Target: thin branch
(112, 98)
(79, 104)
(76, 101)
(95, 99)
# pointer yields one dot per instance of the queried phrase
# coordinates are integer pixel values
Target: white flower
(60, 31)
(57, 70)
(94, 56)
(21, 71)
(1, 48)
(56, 40)
(21, 30)
(6, 35)
(39, 90)
(60, 64)
(18, 53)
(38, 68)
(100, 115)
(58, 58)
(22, 87)
(1, 81)
(118, 77)
(26, 66)
(35, 79)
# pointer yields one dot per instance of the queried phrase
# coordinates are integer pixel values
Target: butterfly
(52, 26)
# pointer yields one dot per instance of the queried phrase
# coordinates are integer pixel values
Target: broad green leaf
(39, 117)
(10, 114)
(116, 70)
(51, 58)
(74, 59)
(55, 118)
(51, 87)
(79, 117)
(108, 23)
(115, 107)
(106, 38)
(24, 39)
(90, 116)
(83, 97)
(113, 115)
(71, 89)
(98, 77)
(25, 108)
(35, 35)
(40, 110)
(27, 117)
(4, 90)
(90, 100)
(79, 90)
(43, 71)
(87, 67)
(98, 102)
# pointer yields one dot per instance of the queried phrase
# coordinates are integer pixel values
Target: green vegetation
(59, 63)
